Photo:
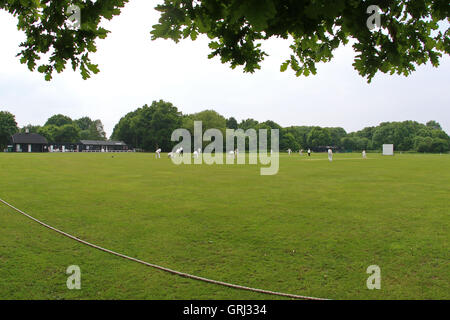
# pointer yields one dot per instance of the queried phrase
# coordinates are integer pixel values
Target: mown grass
(313, 229)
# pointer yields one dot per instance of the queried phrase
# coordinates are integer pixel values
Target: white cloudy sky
(136, 71)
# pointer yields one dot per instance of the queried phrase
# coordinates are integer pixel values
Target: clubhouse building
(28, 142)
(33, 142)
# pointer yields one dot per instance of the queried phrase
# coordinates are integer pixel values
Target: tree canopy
(149, 127)
(58, 120)
(8, 126)
(232, 123)
(210, 120)
(409, 33)
(62, 129)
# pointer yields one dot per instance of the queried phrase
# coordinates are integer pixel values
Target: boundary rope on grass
(181, 274)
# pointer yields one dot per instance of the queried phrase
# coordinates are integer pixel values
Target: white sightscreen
(388, 149)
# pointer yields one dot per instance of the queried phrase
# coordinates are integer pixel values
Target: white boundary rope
(181, 274)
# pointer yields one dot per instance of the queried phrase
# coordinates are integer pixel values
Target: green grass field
(313, 229)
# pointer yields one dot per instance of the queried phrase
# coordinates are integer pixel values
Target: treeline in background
(57, 129)
(150, 127)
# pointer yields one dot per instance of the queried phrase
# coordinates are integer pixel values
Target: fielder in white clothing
(158, 154)
(330, 155)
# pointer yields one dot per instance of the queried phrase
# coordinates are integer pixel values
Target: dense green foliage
(405, 38)
(210, 120)
(407, 135)
(90, 129)
(138, 129)
(409, 34)
(232, 123)
(8, 126)
(58, 120)
(62, 129)
(149, 127)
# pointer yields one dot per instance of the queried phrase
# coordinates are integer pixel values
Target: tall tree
(434, 125)
(49, 132)
(408, 33)
(68, 133)
(319, 137)
(59, 120)
(232, 123)
(336, 134)
(84, 123)
(8, 127)
(288, 141)
(149, 127)
(248, 124)
(210, 120)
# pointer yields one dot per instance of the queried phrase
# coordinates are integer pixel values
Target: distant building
(63, 147)
(28, 142)
(102, 146)
(33, 142)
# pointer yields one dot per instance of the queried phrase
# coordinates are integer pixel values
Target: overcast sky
(136, 71)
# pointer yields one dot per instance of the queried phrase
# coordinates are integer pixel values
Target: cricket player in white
(330, 155)
(364, 155)
(289, 151)
(158, 154)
